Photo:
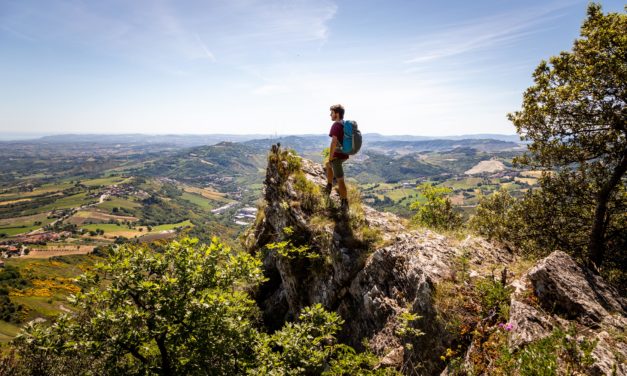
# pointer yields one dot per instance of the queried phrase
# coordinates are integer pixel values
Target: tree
(182, 311)
(575, 116)
(493, 215)
(438, 211)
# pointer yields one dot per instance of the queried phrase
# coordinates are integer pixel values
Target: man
(336, 158)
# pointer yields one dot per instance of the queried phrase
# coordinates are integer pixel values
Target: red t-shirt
(337, 130)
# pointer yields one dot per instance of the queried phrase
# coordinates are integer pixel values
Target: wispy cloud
(270, 90)
(495, 31)
(208, 53)
(164, 32)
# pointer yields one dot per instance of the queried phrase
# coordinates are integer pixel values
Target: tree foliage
(309, 347)
(493, 216)
(157, 311)
(437, 212)
(182, 310)
(575, 117)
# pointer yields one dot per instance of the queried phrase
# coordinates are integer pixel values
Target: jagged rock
(393, 359)
(528, 324)
(371, 287)
(577, 293)
(567, 295)
(609, 356)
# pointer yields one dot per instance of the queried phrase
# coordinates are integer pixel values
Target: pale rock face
(529, 324)
(565, 287)
(569, 294)
(370, 289)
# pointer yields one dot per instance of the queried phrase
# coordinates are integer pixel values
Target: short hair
(338, 108)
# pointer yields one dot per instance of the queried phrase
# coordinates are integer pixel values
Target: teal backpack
(352, 138)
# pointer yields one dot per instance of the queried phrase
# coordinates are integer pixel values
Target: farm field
(116, 202)
(208, 193)
(110, 228)
(42, 190)
(48, 284)
(112, 180)
(68, 202)
(58, 250)
(198, 200)
(95, 216)
(12, 231)
(172, 226)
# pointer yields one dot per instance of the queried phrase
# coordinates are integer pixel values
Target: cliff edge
(410, 295)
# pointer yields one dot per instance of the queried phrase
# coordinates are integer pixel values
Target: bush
(309, 347)
(183, 310)
(495, 298)
(492, 218)
(438, 211)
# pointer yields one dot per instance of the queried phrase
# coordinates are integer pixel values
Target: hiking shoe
(344, 205)
(327, 189)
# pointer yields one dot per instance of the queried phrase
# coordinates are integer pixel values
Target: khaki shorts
(338, 170)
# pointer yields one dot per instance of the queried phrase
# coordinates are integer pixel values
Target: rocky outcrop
(370, 282)
(576, 293)
(565, 295)
(373, 270)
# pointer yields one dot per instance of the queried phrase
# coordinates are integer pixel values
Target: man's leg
(329, 173)
(327, 189)
(342, 188)
(338, 172)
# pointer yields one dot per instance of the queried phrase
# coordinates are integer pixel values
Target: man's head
(337, 112)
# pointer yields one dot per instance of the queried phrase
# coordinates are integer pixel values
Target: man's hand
(332, 148)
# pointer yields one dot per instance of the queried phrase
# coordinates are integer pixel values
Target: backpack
(352, 138)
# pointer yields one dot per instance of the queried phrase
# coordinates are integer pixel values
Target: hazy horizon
(21, 136)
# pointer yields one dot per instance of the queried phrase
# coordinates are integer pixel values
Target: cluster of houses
(122, 190)
(8, 250)
(18, 246)
(245, 216)
(41, 237)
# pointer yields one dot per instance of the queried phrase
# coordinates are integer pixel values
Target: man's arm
(332, 147)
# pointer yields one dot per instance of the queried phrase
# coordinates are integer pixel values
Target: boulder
(574, 292)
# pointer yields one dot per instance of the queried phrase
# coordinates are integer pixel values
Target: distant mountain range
(486, 145)
(190, 140)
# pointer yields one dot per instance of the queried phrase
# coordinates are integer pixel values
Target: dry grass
(486, 166)
(59, 251)
(208, 193)
(98, 217)
(15, 201)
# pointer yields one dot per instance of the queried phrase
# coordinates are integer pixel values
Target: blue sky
(274, 66)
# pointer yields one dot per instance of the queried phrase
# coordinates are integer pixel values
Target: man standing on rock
(336, 158)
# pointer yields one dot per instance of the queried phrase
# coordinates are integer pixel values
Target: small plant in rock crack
(287, 249)
(405, 328)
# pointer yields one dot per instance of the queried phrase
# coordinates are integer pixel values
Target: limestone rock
(567, 295)
(371, 287)
(528, 323)
(393, 359)
(564, 287)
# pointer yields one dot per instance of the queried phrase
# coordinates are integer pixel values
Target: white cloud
(497, 30)
(271, 90)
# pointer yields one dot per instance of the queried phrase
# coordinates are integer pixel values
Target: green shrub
(310, 192)
(437, 212)
(493, 216)
(184, 309)
(495, 298)
(309, 347)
